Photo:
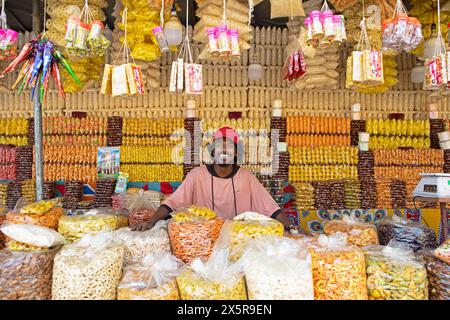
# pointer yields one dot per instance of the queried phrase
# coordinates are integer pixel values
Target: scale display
(430, 188)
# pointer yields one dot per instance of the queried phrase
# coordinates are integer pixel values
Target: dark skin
(223, 168)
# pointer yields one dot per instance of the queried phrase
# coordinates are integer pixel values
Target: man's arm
(160, 214)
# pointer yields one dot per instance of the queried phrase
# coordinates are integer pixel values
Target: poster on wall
(108, 162)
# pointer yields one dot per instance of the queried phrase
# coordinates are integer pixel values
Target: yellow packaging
(119, 81)
(106, 87)
(357, 69)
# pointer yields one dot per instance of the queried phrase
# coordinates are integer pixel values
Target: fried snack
(169, 291)
(48, 219)
(443, 251)
(75, 227)
(358, 233)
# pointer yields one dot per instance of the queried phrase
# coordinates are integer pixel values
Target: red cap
(227, 132)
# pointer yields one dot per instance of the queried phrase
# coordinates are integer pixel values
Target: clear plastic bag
(393, 273)
(89, 269)
(42, 213)
(142, 207)
(438, 273)
(416, 236)
(443, 251)
(215, 279)
(152, 279)
(193, 233)
(236, 233)
(32, 234)
(358, 233)
(277, 269)
(139, 244)
(339, 271)
(26, 275)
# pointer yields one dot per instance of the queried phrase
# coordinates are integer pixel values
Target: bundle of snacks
(438, 273)
(294, 66)
(412, 234)
(352, 191)
(24, 163)
(13, 194)
(42, 213)
(7, 162)
(358, 233)
(26, 275)
(236, 233)
(151, 279)
(339, 271)
(304, 196)
(318, 124)
(329, 194)
(443, 251)
(323, 155)
(393, 127)
(14, 131)
(390, 77)
(153, 172)
(319, 140)
(104, 191)
(395, 274)
(286, 273)
(89, 269)
(73, 194)
(139, 244)
(215, 279)
(311, 173)
(427, 157)
(29, 236)
(93, 221)
(193, 233)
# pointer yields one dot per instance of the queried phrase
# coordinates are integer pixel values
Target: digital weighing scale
(435, 187)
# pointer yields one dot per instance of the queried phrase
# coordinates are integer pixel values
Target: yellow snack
(358, 233)
(40, 207)
(20, 246)
(75, 227)
(194, 213)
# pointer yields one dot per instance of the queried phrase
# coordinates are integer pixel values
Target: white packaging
(173, 77)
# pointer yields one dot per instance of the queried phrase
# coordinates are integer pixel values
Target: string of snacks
(84, 34)
(324, 28)
(365, 65)
(185, 76)
(8, 38)
(401, 32)
(124, 79)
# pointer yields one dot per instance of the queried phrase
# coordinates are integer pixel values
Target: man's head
(225, 146)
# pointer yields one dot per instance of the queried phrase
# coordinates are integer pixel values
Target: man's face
(224, 152)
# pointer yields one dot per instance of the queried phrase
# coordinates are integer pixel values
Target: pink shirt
(196, 190)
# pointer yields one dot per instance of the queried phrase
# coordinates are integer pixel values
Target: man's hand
(143, 226)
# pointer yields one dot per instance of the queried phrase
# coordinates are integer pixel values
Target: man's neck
(222, 171)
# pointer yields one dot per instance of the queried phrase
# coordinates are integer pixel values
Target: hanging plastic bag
(438, 273)
(358, 233)
(42, 213)
(151, 279)
(142, 208)
(237, 232)
(89, 269)
(393, 273)
(139, 244)
(32, 235)
(339, 271)
(215, 279)
(277, 269)
(412, 234)
(8, 38)
(193, 233)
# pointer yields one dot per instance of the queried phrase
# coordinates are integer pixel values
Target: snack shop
(224, 150)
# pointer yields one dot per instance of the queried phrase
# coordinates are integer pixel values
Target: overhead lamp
(173, 29)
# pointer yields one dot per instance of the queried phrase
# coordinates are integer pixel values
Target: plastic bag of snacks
(443, 251)
(89, 269)
(438, 273)
(339, 271)
(393, 273)
(248, 225)
(42, 213)
(141, 208)
(8, 38)
(95, 220)
(215, 279)
(30, 235)
(358, 233)
(26, 275)
(139, 244)
(277, 269)
(294, 66)
(193, 233)
(152, 279)
(412, 234)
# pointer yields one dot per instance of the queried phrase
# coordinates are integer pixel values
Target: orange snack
(358, 233)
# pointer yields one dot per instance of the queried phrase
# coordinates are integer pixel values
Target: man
(223, 187)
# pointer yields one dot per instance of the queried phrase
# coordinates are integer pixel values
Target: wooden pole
(36, 17)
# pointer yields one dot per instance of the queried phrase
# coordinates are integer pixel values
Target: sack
(151, 279)
(232, 5)
(286, 8)
(393, 273)
(89, 269)
(358, 233)
(139, 244)
(272, 264)
(217, 11)
(42, 213)
(215, 279)
(32, 235)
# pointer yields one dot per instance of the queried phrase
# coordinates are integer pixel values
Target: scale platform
(433, 185)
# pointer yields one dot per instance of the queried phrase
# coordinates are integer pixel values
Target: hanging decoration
(84, 35)
(186, 76)
(294, 66)
(436, 67)
(324, 28)
(401, 32)
(41, 58)
(8, 38)
(124, 79)
(365, 65)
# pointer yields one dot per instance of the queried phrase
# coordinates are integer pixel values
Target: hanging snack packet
(119, 81)
(194, 78)
(106, 87)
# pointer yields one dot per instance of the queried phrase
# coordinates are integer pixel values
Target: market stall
(101, 122)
